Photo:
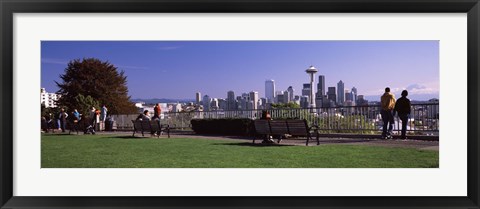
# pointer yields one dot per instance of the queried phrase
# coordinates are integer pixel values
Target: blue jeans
(387, 118)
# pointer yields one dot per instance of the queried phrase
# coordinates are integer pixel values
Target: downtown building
(49, 100)
(340, 92)
(270, 90)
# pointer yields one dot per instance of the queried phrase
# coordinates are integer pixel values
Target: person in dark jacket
(402, 107)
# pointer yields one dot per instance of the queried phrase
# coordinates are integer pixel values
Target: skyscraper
(254, 99)
(206, 102)
(290, 91)
(231, 103)
(286, 97)
(270, 90)
(340, 92)
(331, 94)
(198, 97)
(321, 86)
(354, 94)
(306, 89)
(348, 95)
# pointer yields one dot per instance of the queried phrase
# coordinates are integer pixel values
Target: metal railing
(424, 118)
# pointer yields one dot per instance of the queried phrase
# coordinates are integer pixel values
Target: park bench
(278, 128)
(150, 126)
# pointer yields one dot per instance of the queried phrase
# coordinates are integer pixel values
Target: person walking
(388, 104)
(402, 107)
(75, 120)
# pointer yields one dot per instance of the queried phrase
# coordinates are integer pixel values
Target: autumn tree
(100, 80)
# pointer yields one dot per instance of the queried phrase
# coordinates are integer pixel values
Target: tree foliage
(285, 106)
(85, 103)
(97, 79)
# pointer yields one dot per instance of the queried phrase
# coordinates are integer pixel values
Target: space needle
(311, 71)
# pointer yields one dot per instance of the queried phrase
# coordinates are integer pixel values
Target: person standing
(63, 119)
(97, 119)
(103, 117)
(93, 118)
(402, 107)
(157, 111)
(388, 104)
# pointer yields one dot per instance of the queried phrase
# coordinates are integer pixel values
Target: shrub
(227, 127)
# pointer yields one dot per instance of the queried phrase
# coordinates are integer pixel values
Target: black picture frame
(10, 7)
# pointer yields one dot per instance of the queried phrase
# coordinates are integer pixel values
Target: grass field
(110, 151)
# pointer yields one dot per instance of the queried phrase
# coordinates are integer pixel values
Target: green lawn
(109, 151)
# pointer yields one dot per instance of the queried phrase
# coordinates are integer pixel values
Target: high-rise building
(254, 99)
(331, 94)
(304, 102)
(48, 99)
(354, 94)
(214, 104)
(321, 86)
(306, 89)
(286, 97)
(348, 96)
(291, 92)
(198, 97)
(206, 102)
(340, 92)
(231, 103)
(222, 104)
(279, 95)
(270, 90)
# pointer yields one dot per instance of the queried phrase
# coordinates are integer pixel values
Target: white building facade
(48, 99)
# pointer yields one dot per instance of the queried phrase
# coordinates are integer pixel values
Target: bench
(281, 127)
(151, 126)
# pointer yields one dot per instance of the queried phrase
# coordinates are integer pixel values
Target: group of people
(157, 110)
(390, 107)
(96, 121)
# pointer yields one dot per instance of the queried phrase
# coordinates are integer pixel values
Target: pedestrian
(103, 117)
(402, 107)
(76, 115)
(157, 110)
(97, 119)
(388, 104)
(75, 120)
(93, 117)
(63, 119)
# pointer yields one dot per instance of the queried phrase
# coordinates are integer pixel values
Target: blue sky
(178, 69)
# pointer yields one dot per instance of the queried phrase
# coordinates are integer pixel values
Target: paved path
(418, 144)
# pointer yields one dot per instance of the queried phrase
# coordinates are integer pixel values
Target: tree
(285, 106)
(84, 104)
(97, 79)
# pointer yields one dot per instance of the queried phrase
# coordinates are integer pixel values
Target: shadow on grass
(136, 137)
(338, 141)
(61, 134)
(249, 144)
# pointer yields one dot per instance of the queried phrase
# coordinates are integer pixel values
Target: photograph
(240, 104)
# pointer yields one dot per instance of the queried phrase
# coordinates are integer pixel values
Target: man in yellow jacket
(388, 104)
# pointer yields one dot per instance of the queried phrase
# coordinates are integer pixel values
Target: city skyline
(179, 69)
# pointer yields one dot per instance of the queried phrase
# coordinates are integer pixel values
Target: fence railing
(424, 118)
